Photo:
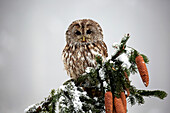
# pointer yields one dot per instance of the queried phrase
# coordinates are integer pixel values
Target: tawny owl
(84, 41)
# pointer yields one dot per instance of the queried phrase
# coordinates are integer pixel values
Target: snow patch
(124, 58)
(29, 107)
(95, 52)
(115, 46)
(88, 69)
(101, 74)
(77, 103)
(105, 84)
(74, 95)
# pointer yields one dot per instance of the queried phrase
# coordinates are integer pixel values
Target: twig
(122, 47)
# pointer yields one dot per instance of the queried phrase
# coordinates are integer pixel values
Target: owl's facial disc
(84, 31)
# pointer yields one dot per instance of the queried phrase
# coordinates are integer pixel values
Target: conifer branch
(86, 94)
(122, 47)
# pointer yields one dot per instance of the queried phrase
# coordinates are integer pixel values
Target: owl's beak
(84, 39)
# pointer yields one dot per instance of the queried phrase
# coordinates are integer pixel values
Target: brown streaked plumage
(84, 41)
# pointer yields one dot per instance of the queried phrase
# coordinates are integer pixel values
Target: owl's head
(84, 31)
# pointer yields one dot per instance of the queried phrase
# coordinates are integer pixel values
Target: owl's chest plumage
(78, 57)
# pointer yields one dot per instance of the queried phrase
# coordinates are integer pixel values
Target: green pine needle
(145, 58)
(156, 93)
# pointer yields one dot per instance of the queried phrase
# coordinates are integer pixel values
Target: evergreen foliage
(86, 94)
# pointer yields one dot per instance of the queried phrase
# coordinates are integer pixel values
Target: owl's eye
(78, 33)
(89, 32)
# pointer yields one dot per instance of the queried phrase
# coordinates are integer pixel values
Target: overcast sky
(32, 37)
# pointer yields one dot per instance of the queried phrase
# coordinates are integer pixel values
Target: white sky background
(32, 37)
